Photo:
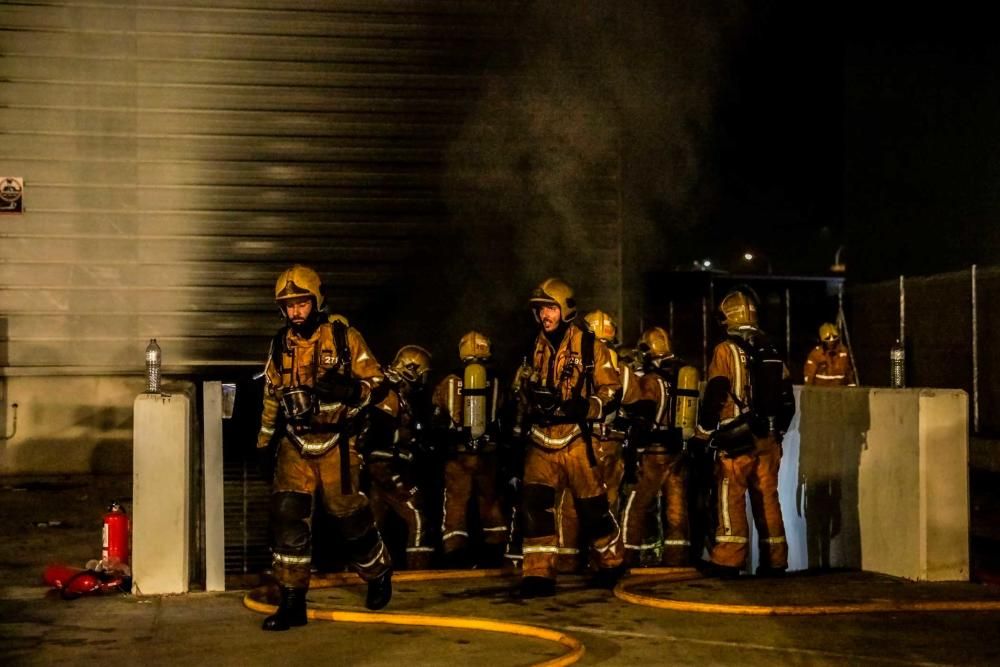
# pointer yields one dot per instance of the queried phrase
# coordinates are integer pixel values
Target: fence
(945, 323)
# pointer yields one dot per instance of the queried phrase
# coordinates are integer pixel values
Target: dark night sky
(876, 129)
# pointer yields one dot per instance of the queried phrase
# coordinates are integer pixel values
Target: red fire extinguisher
(115, 538)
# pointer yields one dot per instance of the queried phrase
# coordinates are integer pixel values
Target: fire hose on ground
(636, 577)
(575, 647)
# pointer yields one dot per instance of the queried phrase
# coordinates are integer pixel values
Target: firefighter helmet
(474, 345)
(828, 332)
(655, 342)
(738, 311)
(555, 292)
(604, 328)
(297, 282)
(412, 363)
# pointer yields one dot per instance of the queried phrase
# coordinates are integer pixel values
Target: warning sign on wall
(11, 194)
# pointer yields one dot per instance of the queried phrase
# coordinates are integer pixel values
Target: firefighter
(392, 469)
(829, 363)
(609, 437)
(467, 411)
(663, 467)
(747, 407)
(319, 376)
(573, 383)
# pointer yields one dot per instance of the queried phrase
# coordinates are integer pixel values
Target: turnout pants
(297, 478)
(547, 473)
(666, 474)
(610, 470)
(464, 474)
(390, 492)
(756, 474)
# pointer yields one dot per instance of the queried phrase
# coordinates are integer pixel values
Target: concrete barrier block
(913, 498)
(160, 493)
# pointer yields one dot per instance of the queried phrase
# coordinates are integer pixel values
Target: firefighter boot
(492, 556)
(291, 610)
(536, 587)
(606, 577)
(379, 592)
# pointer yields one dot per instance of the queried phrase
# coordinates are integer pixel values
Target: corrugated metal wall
(177, 157)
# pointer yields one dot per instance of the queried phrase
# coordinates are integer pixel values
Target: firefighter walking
(391, 465)
(573, 383)
(319, 376)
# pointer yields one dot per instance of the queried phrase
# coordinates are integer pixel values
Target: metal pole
(671, 317)
(902, 313)
(842, 323)
(975, 355)
(788, 325)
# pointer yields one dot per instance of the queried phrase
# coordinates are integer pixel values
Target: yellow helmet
(555, 292)
(828, 332)
(739, 311)
(297, 282)
(602, 325)
(412, 363)
(474, 345)
(655, 341)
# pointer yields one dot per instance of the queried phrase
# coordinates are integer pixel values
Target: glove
(378, 432)
(264, 460)
(620, 423)
(334, 387)
(576, 408)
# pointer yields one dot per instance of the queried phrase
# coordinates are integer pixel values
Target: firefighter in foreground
(573, 383)
(609, 437)
(468, 410)
(829, 363)
(665, 419)
(320, 375)
(747, 407)
(392, 465)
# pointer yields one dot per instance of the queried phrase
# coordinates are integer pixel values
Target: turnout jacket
(561, 369)
(298, 362)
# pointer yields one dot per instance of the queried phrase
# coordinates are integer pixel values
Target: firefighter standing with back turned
(573, 382)
(668, 405)
(747, 407)
(468, 412)
(829, 363)
(319, 375)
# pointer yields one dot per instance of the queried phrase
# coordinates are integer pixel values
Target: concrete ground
(43, 520)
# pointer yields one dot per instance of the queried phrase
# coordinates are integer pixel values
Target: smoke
(587, 152)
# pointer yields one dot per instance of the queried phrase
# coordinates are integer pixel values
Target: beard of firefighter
(573, 382)
(321, 381)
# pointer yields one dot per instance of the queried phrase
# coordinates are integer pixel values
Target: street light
(749, 258)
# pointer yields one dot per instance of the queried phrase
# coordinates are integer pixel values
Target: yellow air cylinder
(474, 399)
(686, 415)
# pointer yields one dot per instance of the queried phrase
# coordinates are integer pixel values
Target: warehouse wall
(175, 159)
